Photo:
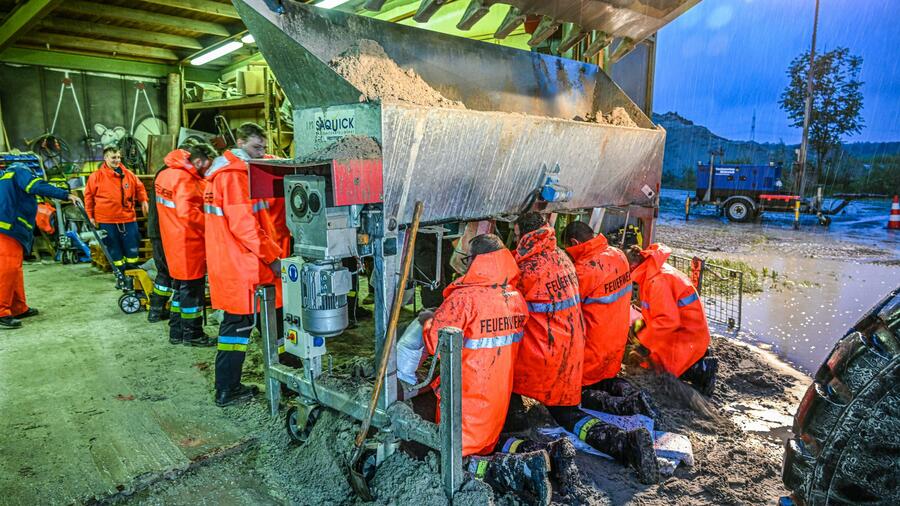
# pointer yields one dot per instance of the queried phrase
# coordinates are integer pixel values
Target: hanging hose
(133, 154)
(53, 150)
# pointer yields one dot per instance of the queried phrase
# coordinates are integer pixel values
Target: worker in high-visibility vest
(675, 334)
(179, 205)
(111, 195)
(241, 254)
(18, 208)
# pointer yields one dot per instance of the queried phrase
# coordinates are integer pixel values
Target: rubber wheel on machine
(825, 221)
(739, 211)
(130, 303)
(298, 435)
(846, 448)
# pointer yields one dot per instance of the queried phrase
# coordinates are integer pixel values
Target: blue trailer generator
(737, 179)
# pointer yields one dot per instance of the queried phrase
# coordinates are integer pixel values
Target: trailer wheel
(739, 210)
(845, 448)
(824, 220)
(299, 430)
(129, 303)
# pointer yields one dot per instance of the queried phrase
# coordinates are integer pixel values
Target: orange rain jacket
(485, 304)
(676, 331)
(551, 356)
(604, 281)
(239, 248)
(179, 208)
(110, 196)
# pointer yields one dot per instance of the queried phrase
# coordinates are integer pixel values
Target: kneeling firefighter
(675, 337)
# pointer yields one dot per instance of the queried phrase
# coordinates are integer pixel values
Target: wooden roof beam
(202, 6)
(101, 46)
(119, 32)
(23, 19)
(150, 18)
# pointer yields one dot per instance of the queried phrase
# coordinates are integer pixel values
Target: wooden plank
(202, 6)
(119, 32)
(23, 19)
(102, 46)
(235, 103)
(136, 15)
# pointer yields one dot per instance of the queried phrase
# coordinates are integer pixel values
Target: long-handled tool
(120, 276)
(357, 480)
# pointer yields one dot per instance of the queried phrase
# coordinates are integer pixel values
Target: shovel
(354, 468)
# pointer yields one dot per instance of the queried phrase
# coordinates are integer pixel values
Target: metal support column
(450, 347)
(269, 330)
(387, 272)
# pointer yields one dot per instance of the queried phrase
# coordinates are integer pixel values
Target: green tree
(836, 106)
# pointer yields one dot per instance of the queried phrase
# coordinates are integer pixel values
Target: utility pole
(753, 127)
(804, 142)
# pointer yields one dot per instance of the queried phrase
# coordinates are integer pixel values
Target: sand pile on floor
(367, 67)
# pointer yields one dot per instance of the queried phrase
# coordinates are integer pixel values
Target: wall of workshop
(29, 94)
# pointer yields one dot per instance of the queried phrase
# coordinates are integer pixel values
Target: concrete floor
(95, 402)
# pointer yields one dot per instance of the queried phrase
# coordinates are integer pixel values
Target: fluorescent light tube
(328, 4)
(217, 52)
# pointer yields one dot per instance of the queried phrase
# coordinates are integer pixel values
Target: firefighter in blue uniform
(18, 208)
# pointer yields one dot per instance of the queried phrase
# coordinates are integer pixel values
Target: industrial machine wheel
(739, 210)
(129, 303)
(824, 220)
(845, 448)
(297, 429)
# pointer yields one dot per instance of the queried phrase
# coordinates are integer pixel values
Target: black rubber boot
(8, 322)
(157, 311)
(634, 448)
(525, 474)
(176, 331)
(564, 471)
(238, 394)
(702, 375)
(638, 403)
(193, 334)
(642, 457)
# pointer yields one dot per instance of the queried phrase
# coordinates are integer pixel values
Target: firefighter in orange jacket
(675, 336)
(240, 255)
(550, 363)
(604, 281)
(179, 205)
(486, 305)
(110, 197)
(18, 207)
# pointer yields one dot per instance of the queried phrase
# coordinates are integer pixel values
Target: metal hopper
(467, 164)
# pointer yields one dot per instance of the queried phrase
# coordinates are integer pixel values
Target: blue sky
(724, 58)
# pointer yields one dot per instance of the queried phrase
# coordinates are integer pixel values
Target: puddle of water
(803, 323)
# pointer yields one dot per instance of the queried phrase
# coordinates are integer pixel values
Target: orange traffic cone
(894, 220)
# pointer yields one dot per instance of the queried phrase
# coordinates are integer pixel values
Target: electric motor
(325, 287)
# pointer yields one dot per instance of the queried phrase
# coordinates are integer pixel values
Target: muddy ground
(240, 455)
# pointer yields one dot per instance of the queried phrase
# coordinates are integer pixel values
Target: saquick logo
(334, 125)
(330, 126)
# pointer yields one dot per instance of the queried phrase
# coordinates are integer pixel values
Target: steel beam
(450, 344)
(514, 19)
(476, 10)
(23, 19)
(427, 9)
(601, 40)
(61, 59)
(119, 32)
(575, 36)
(269, 329)
(151, 18)
(547, 27)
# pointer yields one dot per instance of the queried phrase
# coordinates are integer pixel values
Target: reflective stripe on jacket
(179, 208)
(550, 360)
(18, 206)
(238, 246)
(486, 306)
(676, 331)
(111, 196)
(604, 281)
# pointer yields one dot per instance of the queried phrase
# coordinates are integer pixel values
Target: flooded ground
(825, 278)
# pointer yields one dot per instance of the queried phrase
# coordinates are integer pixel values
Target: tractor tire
(846, 448)
(739, 210)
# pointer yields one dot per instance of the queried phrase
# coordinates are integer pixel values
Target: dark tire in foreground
(846, 444)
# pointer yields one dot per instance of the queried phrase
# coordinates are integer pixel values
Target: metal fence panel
(720, 289)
